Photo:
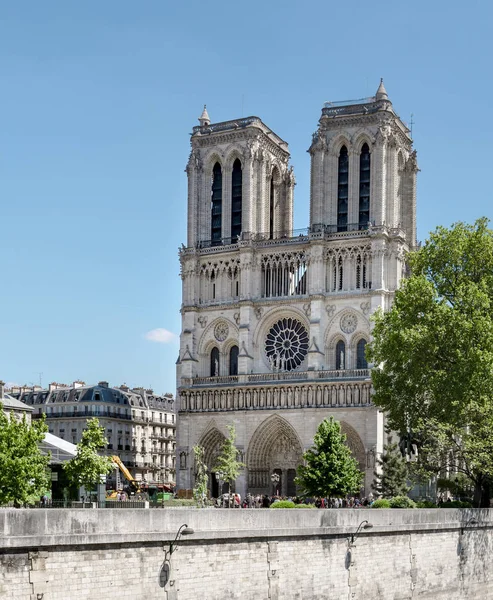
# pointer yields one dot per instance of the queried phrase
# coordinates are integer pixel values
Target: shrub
(178, 502)
(305, 506)
(402, 502)
(283, 504)
(456, 504)
(381, 503)
(425, 504)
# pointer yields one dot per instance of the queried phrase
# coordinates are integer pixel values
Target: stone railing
(343, 374)
(301, 236)
(279, 376)
(219, 380)
(284, 376)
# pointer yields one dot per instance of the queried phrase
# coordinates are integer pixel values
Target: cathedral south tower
(274, 321)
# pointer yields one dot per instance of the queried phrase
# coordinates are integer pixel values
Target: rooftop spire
(381, 92)
(204, 118)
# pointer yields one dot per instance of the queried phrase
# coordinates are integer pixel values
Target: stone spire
(204, 118)
(381, 92)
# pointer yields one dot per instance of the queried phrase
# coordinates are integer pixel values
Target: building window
(361, 362)
(342, 190)
(233, 360)
(236, 200)
(214, 367)
(284, 274)
(271, 208)
(364, 187)
(340, 355)
(286, 344)
(216, 205)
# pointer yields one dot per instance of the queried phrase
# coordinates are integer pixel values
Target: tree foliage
(391, 479)
(330, 469)
(227, 464)
(434, 352)
(24, 475)
(87, 467)
(201, 477)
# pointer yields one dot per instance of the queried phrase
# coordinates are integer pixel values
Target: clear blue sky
(98, 99)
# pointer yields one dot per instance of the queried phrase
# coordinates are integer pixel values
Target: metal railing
(74, 414)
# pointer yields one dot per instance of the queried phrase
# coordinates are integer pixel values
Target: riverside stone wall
(263, 554)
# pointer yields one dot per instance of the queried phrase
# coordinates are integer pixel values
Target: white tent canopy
(61, 450)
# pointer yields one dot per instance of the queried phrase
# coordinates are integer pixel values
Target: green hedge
(455, 504)
(381, 503)
(178, 502)
(402, 502)
(305, 506)
(283, 504)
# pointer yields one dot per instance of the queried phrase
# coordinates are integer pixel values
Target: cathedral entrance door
(214, 486)
(291, 485)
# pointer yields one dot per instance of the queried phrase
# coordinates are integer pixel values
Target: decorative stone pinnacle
(381, 92)
(204, 118)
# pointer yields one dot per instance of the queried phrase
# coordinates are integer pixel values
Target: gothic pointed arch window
(233, 360)
(216, 205)
(340, 355)
(361, 362)
(364, 187)
(236, 200)
(214, 366)
(271, 207)
(342, 189)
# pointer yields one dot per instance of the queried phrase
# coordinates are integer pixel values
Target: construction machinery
(133, 484)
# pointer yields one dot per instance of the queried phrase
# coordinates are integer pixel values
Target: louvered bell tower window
(236, 201)
(216, 205)
(364, 187)
(342, 190)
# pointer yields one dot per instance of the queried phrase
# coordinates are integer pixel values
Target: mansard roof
(97, 393)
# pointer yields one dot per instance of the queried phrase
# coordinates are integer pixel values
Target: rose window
(286, 344)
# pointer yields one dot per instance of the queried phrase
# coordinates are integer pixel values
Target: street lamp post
(275, 478)
(220, 479)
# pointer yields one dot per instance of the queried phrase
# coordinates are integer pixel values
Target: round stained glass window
(286, 344)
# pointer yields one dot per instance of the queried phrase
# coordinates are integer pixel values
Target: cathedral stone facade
(274, 320)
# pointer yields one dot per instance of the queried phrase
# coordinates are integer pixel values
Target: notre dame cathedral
(274, 320)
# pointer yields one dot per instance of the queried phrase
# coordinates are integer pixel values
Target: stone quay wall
(264, 554)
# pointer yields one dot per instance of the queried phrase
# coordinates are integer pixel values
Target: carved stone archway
(355, 444)
(211, 442)
(274, 447)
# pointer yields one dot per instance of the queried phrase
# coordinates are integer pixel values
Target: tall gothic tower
(275, 322)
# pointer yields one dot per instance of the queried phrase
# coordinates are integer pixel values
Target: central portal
(273, 457)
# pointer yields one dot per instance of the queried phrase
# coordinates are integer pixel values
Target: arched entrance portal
(355, 444)
(211, 442)
(274, 448)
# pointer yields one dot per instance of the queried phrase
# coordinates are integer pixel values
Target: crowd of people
(265, 501)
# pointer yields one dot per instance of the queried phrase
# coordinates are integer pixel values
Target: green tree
(201, 477)
(330, 469)
(24, 475)
(434, 351)
(87, 467)
(227, 464)
(391, 480)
